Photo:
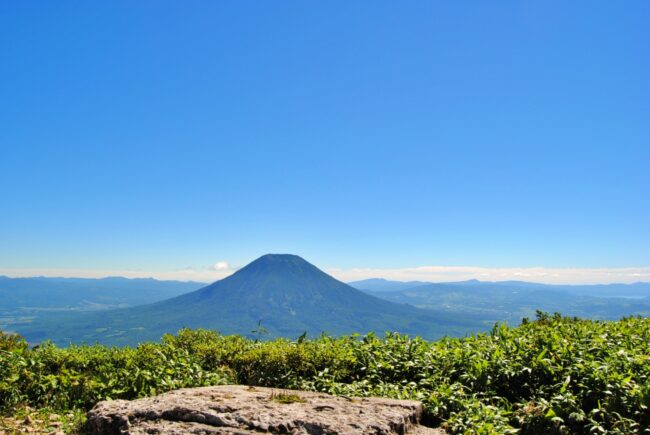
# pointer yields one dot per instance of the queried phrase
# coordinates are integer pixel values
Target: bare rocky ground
(243, 410)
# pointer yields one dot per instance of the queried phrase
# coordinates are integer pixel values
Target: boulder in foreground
(236, 409)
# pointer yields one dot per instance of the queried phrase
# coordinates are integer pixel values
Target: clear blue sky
(159, 135)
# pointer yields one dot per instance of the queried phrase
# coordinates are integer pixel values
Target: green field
(550, 375)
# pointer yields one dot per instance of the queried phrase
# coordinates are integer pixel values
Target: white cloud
(221, 265)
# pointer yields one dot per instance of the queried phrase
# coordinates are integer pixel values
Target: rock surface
(236, 409)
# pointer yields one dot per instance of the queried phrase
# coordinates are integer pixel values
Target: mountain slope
(284, 293)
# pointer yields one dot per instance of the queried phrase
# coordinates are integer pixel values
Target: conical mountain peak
(279, 273)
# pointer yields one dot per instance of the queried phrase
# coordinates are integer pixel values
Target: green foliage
(286, 398)
(79, 376)
(553, 375)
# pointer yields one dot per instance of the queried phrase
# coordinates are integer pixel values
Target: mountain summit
(283, 293)
(275, 274)
(281, 285)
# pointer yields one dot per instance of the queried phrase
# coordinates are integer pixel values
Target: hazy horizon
(434, 274)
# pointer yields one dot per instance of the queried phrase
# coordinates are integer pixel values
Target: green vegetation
(43, 421)
(286, 398)
(552, 375)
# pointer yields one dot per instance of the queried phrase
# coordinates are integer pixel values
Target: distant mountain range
(510, 301)
(86, 293)
(24, 300)
(635, 290)
(282, 295)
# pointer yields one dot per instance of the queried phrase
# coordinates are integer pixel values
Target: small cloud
(221, 265)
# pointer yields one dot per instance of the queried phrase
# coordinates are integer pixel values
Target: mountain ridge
(635, 289)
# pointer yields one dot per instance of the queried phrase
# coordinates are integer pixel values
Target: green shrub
(554, 375)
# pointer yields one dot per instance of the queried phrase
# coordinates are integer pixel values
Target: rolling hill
(284, 294)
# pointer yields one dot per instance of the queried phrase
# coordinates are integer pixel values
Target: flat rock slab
(236, 409)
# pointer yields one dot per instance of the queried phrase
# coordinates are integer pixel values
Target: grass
(24, 419)
(286, 398)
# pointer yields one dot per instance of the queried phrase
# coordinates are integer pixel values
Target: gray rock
(236, 409)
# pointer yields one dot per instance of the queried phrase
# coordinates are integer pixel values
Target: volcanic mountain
(284, 294)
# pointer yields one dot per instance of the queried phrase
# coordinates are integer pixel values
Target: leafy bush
(79, 376)
(554, 375)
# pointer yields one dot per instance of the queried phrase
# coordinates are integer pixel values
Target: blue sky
(159, 136)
